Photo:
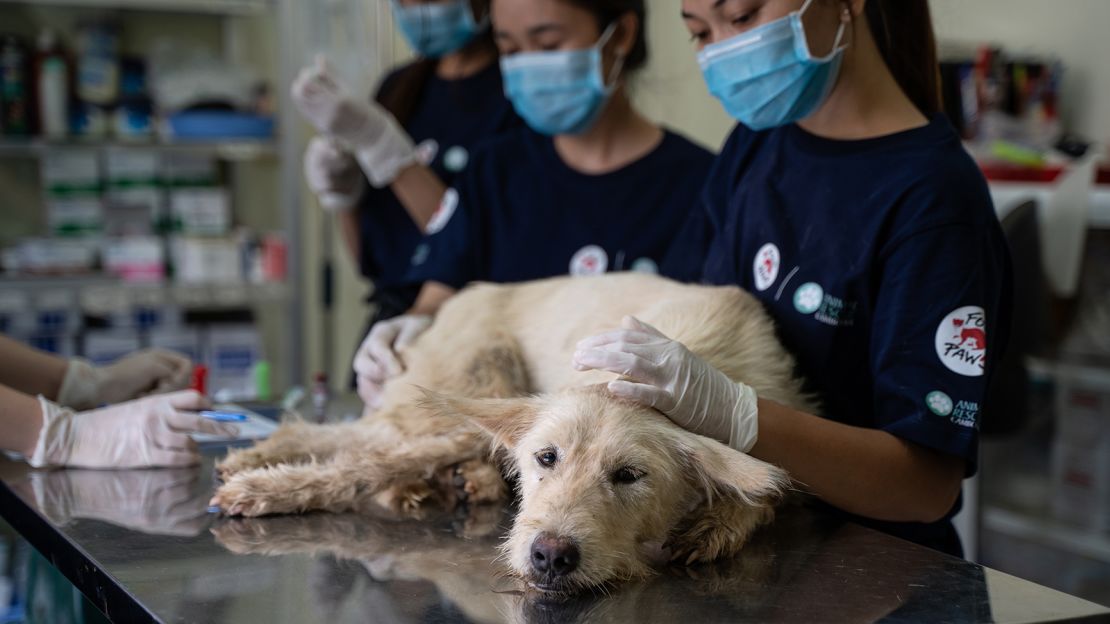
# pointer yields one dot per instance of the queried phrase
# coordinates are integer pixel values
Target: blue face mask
(560, 92)
(767, 77)
(436, 29)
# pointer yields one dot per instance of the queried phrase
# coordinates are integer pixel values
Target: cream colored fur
(470, 381)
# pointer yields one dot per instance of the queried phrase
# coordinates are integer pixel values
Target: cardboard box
(206, 260)
(136, 258)
(231, 353)
(201, 211)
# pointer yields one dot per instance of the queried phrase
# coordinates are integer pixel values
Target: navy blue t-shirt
(521, 213)
(450, 118)
(885, 269)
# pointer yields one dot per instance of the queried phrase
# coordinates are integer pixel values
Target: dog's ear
(723, 471)
(507, 420)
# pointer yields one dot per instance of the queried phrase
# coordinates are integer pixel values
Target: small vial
(321, 396)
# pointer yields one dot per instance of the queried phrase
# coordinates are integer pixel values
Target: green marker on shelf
(262, 381)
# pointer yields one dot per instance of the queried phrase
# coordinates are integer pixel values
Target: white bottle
(53, 87)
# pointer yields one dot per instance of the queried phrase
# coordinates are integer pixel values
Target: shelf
(96, 294)
(1047, 531)
(215, 7)
(244, 150)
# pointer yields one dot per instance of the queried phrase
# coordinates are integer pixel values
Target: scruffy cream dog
(607, 487)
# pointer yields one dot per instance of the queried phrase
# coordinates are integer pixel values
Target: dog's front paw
(474, 482)
(253, 493)
(407, 500)
(719, 533)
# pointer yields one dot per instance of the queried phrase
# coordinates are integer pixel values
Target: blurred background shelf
(232, 150)
(97, 292)
(1047, 531)
(215, 7)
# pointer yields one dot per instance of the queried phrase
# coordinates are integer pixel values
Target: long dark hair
(903, 30)
(609, 11)
(403, 93)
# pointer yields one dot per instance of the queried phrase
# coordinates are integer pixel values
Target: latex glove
(664, 374)
(376, 361)
(370, 132)
(148, 432)
(152, 371)
(159, 502)
(333, 175)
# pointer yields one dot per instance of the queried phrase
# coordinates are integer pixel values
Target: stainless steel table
(142, 547)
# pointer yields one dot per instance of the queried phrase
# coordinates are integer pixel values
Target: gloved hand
(376, 361)
(367, 130)
(333, 175)
(664, 374)
(153, 371)
(158, 502)
(148, 432)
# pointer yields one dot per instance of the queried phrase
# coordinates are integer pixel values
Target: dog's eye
(627, 475)
(547, 458)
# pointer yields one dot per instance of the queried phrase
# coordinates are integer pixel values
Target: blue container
(220, 125)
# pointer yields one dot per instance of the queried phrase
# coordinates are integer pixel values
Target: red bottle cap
(200, 379)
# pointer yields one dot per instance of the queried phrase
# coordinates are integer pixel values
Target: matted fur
(495, 369)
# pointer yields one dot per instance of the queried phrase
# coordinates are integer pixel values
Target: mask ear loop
(838, 43)
(618, 65)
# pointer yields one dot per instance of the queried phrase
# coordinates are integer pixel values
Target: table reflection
(150, 531)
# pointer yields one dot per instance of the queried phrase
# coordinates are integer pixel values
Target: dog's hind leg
(346, 482)
(292, 443)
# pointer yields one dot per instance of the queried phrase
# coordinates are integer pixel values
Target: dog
(608, 489)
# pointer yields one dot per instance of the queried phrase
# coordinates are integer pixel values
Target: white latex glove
(367, 130)
(152, 371)
(664, 374)
(376, 361)
(138, 434)
(333, 175)
(159, 502)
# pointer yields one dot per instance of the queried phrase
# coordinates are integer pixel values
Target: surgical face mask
(436, 29)
(767, 77)
(560, 92)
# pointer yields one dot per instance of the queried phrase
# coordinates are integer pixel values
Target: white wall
(1073, 30)
(671, 89)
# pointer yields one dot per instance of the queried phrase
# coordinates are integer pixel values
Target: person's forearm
(29, 370)
(432, 296)
(867, 472)
(350, 230)
(419, 190)
(20, 421)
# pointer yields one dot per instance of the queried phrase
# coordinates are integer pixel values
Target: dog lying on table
(607, 487)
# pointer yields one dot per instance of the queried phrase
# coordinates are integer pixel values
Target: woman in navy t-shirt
(845, 202)
(590, 186)
(442, 104)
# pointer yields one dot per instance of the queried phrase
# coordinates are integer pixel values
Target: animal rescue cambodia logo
(766, 266)
(961, 341)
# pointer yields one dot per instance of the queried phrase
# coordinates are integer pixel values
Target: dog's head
(604, 482)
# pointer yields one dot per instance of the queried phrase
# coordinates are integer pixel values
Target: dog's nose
(557, 555)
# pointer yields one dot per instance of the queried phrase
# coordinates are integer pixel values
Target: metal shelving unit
(215, 7)
(93, 290)
(282, 152)
(232, 151)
